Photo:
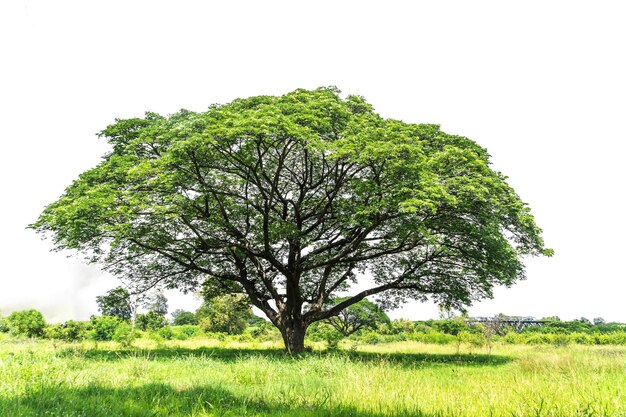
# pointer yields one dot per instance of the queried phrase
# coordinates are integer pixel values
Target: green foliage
(157, 302)
(302, 191)
(181, 318)
(185, 332)
(115, 303)
(327, 333)
(4, 326)
(103, 327)
(54, 332)
(150, 321)
(30, 323)
(453, 326)
(74, 331)
(399, 326)
(229, 313)
(70, 331)
(263, 330)
(124, 334)
(166, 332)
(364, 314)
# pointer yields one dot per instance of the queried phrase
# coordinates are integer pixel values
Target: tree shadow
(226, 355)
(161, 400)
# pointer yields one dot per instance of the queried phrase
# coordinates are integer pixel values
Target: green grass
(202, 378)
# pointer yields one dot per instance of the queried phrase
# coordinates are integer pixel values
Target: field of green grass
(211, 378)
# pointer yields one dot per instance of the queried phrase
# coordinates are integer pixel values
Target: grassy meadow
(200, 377)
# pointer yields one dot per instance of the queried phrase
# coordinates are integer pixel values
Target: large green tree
(291, 200)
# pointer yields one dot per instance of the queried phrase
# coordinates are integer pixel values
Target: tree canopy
(116, 303)
(291, 200)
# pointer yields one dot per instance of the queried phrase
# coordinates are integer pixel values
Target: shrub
(124, 334)
(561, 339)
(370, 338)
(4, 326)
(437, 338)
(150, 321)
(166, 333)
(184, 332)
(29, 323)
(182, 318)
(244, 337)
(229, 313)
(103, 327)
(54, 332)
(74, 331)
(400, 326)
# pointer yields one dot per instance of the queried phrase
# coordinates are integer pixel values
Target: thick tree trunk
(293, 336)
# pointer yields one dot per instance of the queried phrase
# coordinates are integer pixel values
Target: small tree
(157, 302)
(115, 303)
(598, 320)
(29, 323)
(364, 314)
(181, 318)
(228, 313)
(150, 321)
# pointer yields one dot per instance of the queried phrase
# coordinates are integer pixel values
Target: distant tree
(116, 303)
(364, 314)
(598, 321)
(229, 313)
(452, 326)
(150, 321)
(181, 318)
(29, 323)
(157, 302)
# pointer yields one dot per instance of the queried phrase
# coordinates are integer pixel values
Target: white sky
(540, 84)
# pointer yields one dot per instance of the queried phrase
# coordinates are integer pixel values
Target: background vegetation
(448, 367)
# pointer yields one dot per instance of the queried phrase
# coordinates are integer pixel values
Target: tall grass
(200, 378)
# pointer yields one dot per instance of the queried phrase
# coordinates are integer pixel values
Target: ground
(211, 378)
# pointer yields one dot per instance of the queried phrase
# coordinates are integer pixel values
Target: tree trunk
(293, 336)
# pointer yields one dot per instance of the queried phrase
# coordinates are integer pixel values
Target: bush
(54, 332)
(150, 321)
(182, 318)
(166, 333)
(4, 326)
(103, 327)
(124, 334)
(74, 331)
(437, 338)
(229, 313)
(70, 331)
(371, 338)
(29, 323)
(184, 332)
(400, 326)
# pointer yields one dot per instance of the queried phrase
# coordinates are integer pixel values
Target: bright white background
(540, 84)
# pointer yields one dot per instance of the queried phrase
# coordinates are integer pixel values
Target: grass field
(203, 378)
